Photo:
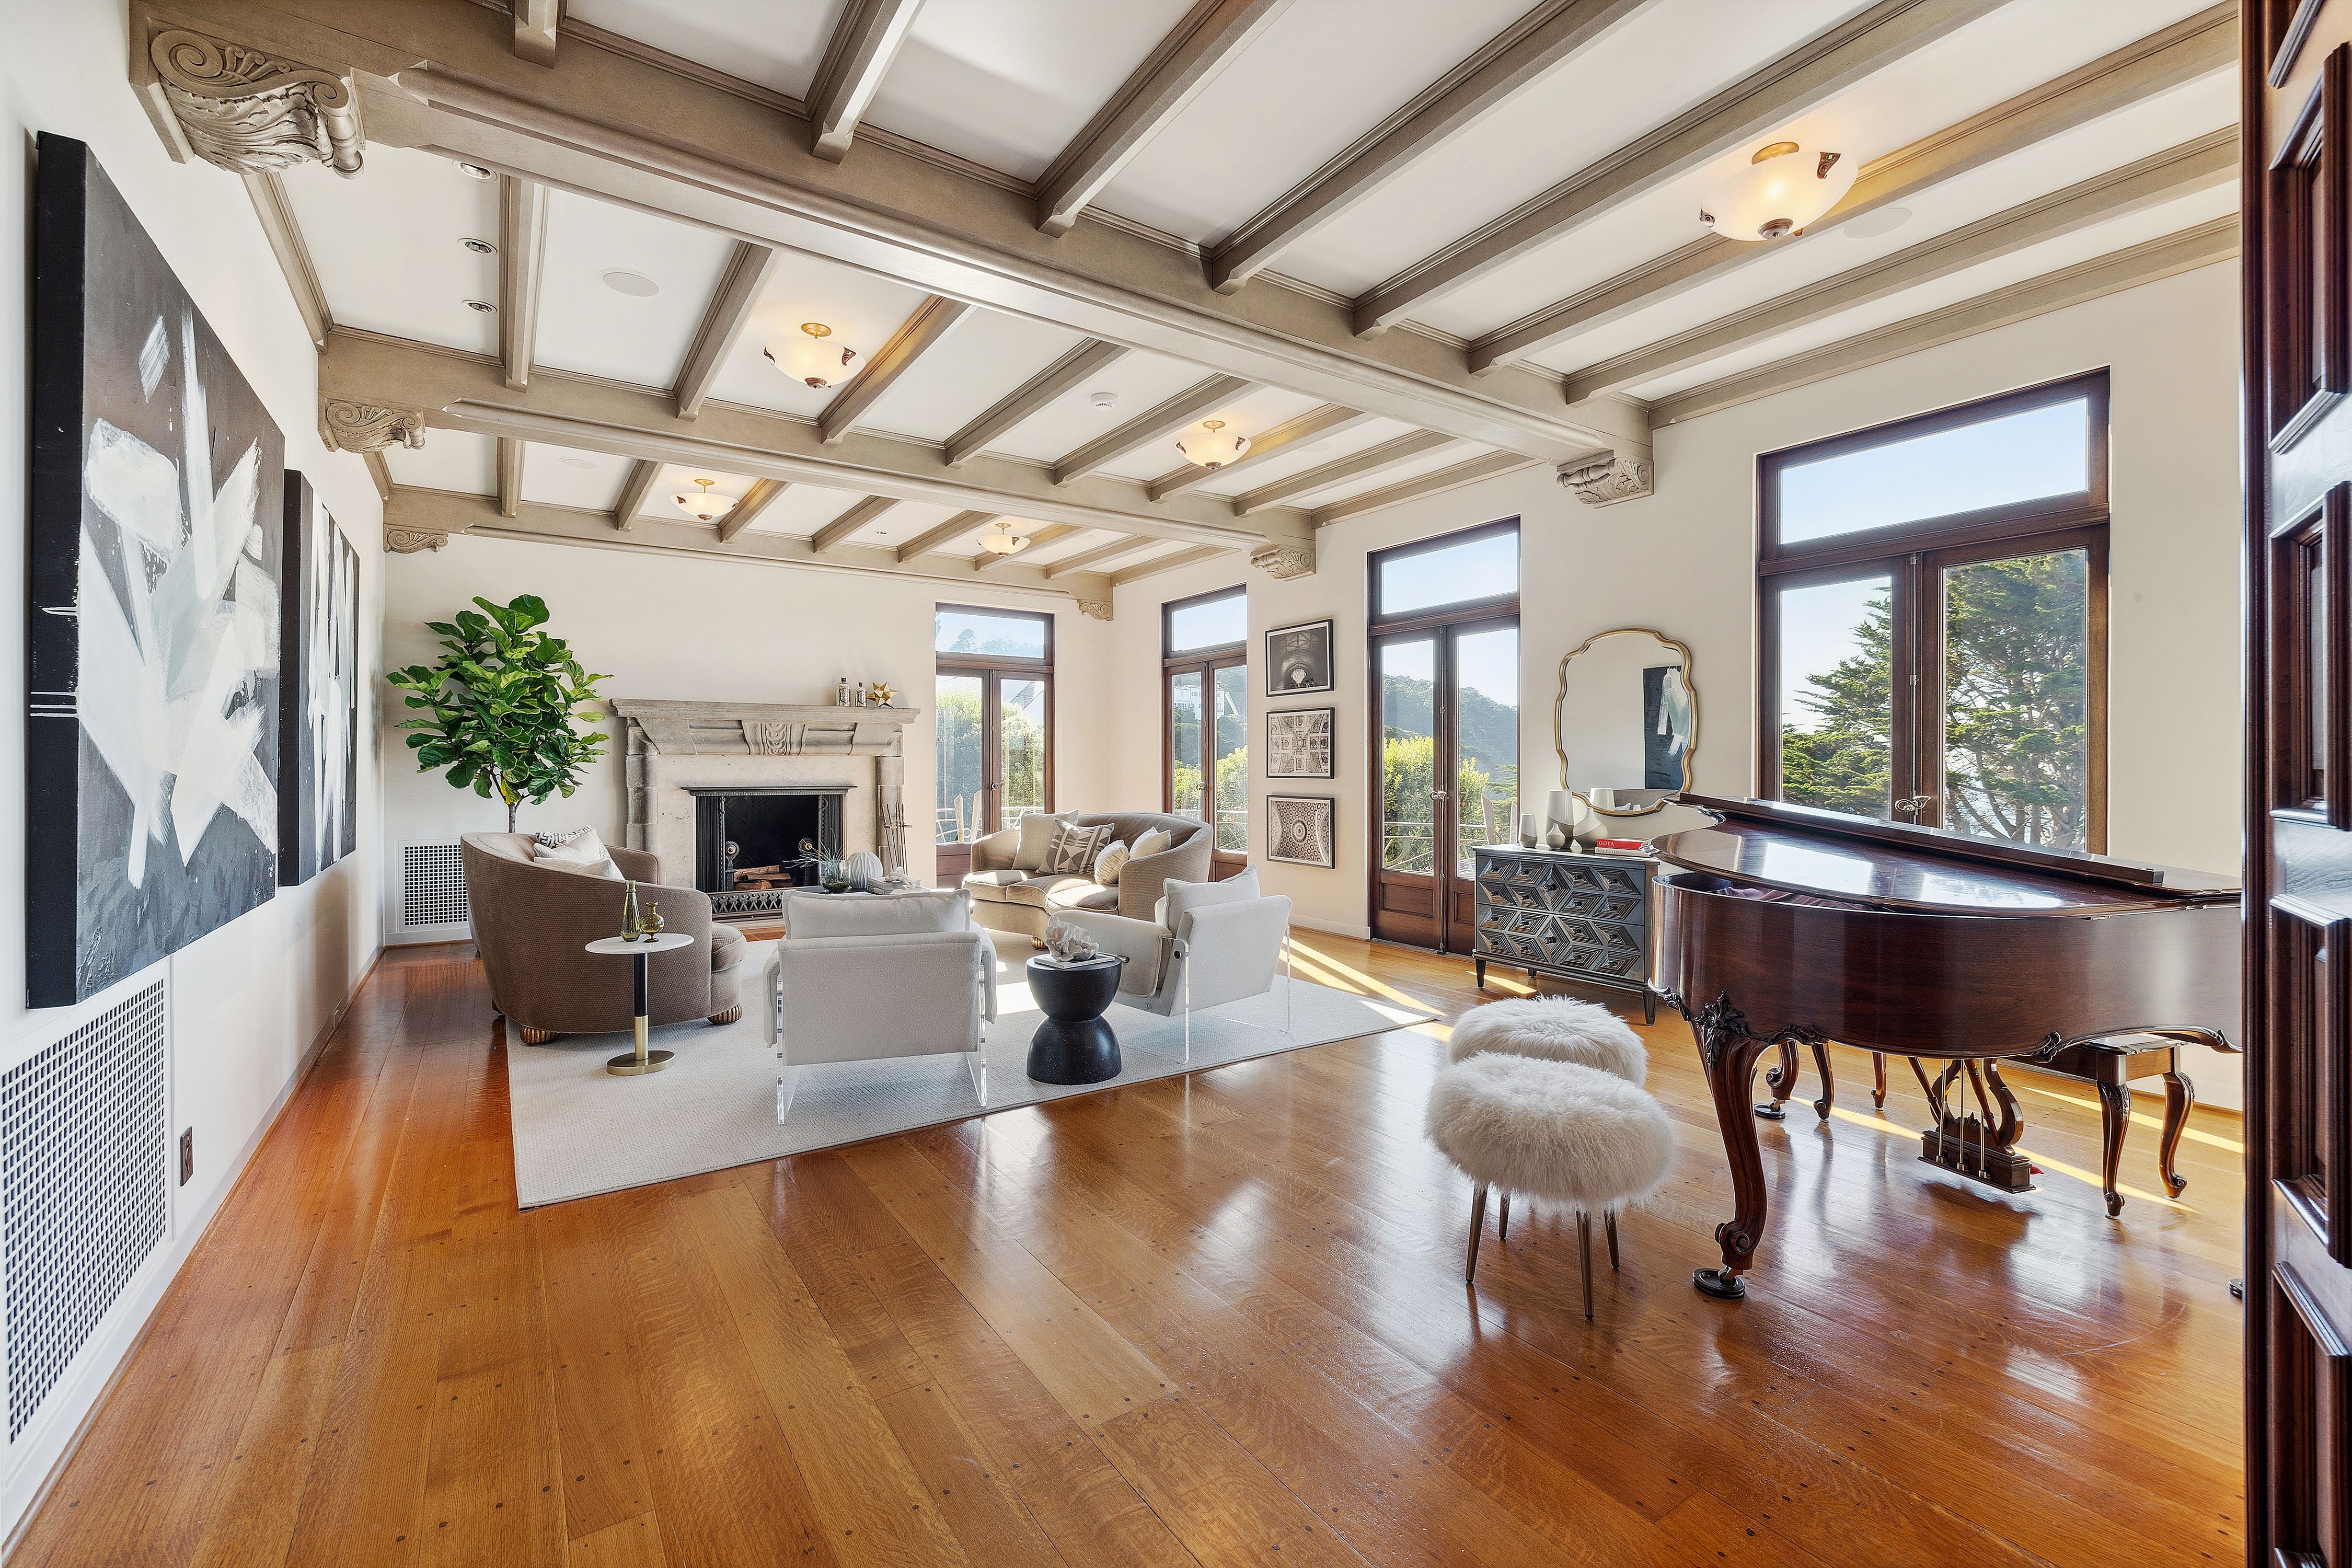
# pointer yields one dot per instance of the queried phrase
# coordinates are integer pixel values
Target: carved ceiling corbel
(409, 540)
(1098, 608)
(1607, 477)
(1285, 561)
(366, 428)
(251, 112)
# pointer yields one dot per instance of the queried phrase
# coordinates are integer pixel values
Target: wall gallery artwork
(1299, 744)
(1302, 830)
(152, 745)
(1298, 659)
(318, 655)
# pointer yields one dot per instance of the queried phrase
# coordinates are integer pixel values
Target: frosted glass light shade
(701, 503)
(1211, 446)
(1000, 540)
(1783, 186)
(812, 354)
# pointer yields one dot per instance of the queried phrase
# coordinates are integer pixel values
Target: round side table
(641, 1060)
(1074, 1044)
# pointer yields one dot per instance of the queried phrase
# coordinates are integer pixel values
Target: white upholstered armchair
(861, 978)
(1211, 943)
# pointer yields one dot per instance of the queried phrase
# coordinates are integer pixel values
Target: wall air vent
(433, 886)
(85, 1186)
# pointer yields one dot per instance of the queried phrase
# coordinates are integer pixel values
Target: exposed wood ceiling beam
(2201, 46)
(746, 511)
(865, 42)
(647, 131)
(747, 275)
(534, 30)
(1073, 369)
(284, 235)
(1112, 550)
(1420, 485)
(523, 259)
(838, 530)
(633, 490)
(1316, 423)
(1370, 460)
(1187, 60)
(1183, 558)
(457, 391)
(444, 511)
(379, 472)
(1800, 79)
(2208, 162)
(988, 560)
(932, 320)
(2158, 259)
(1154, 424)
(946, 534)
(509, 476)
(1544, 38)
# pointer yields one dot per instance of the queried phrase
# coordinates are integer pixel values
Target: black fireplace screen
(764, 840)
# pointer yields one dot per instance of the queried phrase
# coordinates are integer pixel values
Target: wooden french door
(994, 727)
(1440, 782)
(1206, 742)
(2298, 298)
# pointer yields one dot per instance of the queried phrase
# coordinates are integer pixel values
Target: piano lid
(1891, 865)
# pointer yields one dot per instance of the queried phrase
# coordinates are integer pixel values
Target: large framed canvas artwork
(319, 665)
(151, 732)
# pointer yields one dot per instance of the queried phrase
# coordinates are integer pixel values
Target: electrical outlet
(187, 1156)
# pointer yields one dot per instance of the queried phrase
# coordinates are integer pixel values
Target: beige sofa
(533, 921)
(1007, 898)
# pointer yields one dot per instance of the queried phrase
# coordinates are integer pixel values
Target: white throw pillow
(1108, 863)
(579, 850)
(1156, 842)
(876, 914)
(1037, 848)
(1181, 899)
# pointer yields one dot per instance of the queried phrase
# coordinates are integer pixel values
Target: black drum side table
(1074, 1044)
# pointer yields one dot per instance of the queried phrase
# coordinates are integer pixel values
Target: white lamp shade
(701, 503)
(811, 352)
(1000, 540)
(1211, 446)
(1777, 189)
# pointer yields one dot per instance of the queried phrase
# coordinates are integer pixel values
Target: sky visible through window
(1210, 624)
(968, 631)
(1819, 629)
(1479, 570)
(2018, 457)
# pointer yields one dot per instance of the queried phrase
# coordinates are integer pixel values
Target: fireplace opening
(751, 844)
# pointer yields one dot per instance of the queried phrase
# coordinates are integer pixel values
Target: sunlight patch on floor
(2232, 1144)
(2049, 1166)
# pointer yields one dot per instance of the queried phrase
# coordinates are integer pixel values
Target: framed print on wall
(1302, 830)
(1299, 744)
(1298, 659)
(151, 750)
(319, 665)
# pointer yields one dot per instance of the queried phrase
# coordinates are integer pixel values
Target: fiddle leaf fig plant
(507, 706)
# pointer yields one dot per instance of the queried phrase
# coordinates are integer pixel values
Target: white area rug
(579, 1131)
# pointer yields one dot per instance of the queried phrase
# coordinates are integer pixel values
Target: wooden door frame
(1206, 661)
(954, 860)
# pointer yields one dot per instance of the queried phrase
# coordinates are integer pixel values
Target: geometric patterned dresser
(1584, 918)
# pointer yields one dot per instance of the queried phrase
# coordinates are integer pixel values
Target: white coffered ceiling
(1179, 134)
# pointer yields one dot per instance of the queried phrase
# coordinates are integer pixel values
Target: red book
(1617, 844)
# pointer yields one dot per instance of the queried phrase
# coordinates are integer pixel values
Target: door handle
(1911, 806)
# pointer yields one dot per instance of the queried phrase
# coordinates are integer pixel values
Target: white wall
(1683, 561)
(248, 1002)
(712, 630)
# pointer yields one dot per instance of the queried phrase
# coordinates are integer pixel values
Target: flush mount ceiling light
(703, 504)
(480, 247)
(812, 355)
(1210, 447)
(475, 172)
(636, 285)
(482, 306)
(1000, 540)
(1783, 186)
(1103, 399)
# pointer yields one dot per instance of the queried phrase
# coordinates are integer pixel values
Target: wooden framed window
(1932, 598)
(994, 722)
(2311, 335)
(1205, 728)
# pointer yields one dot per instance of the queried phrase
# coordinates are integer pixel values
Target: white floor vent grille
(85, 1195)
(433, 886)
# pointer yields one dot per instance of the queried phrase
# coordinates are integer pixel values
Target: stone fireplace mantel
(674, 747)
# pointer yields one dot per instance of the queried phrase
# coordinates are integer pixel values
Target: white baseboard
(108, 1353)
(1335, 928)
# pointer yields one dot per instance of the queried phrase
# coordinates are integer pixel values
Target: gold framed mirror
(1625, 724)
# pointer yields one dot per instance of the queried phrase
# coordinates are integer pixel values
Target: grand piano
(1782, 926)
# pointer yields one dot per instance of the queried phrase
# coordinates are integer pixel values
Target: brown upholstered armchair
(533, 920)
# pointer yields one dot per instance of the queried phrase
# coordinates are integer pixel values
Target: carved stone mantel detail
(1098, 608)
(1285, 561)
(364, 428)
(1608, 478)
(409, 540)
(250, 112)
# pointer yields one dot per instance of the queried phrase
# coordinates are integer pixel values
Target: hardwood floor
(1193, 1322)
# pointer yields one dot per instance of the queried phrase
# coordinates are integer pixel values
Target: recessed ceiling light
(480, 247)
(475, 172)
(1870, 225)
(484, 306)
(637, 285)
(579, 462)
(1103, 399)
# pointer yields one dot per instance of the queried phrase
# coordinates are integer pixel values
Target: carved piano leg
(1822, 1107)
(1878, 1073)
(2179, 1094)
(1730, 1053)
(2114, 1120)
(1781, 1079)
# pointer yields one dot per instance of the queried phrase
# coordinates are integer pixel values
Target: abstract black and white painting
(1302, 830)
(1298, 659)
(1299, 744)
(1665, 728)
(318, 654)
(151, 742)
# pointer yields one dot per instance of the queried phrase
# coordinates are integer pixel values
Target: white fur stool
(1556, 1027)
(1552, 1130)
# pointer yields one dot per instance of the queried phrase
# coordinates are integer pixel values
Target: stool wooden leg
(1609, 1220)
(1477, 1224)
(1584, 1259)
(1502, 1220)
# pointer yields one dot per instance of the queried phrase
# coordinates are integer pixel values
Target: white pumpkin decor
(864, 870)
